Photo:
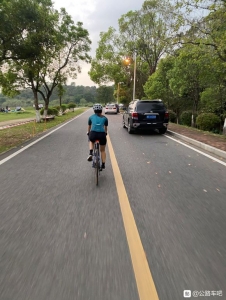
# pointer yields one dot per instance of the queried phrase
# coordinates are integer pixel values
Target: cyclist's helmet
(97, 108)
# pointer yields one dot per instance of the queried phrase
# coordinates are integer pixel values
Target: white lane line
(199, 151)
(36, 141)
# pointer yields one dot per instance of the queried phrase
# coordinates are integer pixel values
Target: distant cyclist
(97, 130)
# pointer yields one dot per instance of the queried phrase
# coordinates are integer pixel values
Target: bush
(208, 122)
(71, 105)
(172, 116)
(50, 111)
(57, 107)
(55, 112)
(63, 107)
(185, 118)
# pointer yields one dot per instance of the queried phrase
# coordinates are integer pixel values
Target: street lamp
(118, 91)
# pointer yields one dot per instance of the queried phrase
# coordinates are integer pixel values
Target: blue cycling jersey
(97, 123)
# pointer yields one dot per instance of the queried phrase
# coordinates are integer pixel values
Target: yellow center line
(145, 284)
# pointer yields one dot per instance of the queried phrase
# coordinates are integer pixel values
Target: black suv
(146, 114)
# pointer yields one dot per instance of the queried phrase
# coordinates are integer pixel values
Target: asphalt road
(63, 238)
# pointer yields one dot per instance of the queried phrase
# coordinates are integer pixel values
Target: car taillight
(106, 107)
(135, 115)
(166, 115)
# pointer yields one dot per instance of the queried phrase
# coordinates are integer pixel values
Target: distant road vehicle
(147, 115)
(122, 106)
(111, 109)
(40, 105)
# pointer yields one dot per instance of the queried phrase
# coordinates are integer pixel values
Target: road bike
(96, 160)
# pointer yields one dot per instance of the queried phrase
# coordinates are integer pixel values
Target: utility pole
(134, 75)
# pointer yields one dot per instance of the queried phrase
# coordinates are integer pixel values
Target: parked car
(147, 115)
(111, 109)
(39, 105)
(122, 106)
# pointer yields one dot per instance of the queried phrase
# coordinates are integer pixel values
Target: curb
(201, 145)
(14, 124)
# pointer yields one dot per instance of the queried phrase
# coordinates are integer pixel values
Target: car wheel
(130, 130)
(162, 130)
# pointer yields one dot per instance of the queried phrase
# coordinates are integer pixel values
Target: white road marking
(36, 141)
(199, 151)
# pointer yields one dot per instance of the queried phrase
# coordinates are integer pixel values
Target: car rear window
(148, 106)
(111, 105)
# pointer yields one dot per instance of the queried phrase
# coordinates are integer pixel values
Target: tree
(107, 65)
(105, 94)
(204, 22)
(144, 32)
(25, 29)
(28, 31)
(63, 62)
(157, 85)
(55, 63)
(213, 98)
(83, 102)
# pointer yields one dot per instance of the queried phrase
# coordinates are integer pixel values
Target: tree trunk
(37, 112)
(192, 120)
(224, 127)
(38, 117)
(46, 107)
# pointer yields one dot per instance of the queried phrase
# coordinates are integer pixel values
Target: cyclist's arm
(106, 125)
(89, 124)
(89, 128)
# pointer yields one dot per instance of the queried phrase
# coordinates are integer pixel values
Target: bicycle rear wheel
(97, 172)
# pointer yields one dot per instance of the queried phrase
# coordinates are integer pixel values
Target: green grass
(15, 136)
(28, 113)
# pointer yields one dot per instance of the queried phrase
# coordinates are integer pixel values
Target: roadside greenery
(48, 49)
(180, 51)
(208, 122)
(28, 113)
(176, 48)
(78, 95)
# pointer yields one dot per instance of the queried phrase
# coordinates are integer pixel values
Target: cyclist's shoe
(90, 157)
(102, 167)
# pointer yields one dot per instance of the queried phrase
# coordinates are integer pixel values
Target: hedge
(208, 122)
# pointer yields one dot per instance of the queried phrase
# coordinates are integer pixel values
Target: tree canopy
(43, 50)
(181, 55)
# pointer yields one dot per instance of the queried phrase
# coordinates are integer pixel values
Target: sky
(97, 16)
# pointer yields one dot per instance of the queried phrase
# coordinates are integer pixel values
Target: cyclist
(97, 130)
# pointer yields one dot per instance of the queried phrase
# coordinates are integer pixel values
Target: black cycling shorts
(100, 136)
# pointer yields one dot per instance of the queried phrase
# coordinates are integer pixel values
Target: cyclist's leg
(91, 144)
(103, 142)
(103, 153)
